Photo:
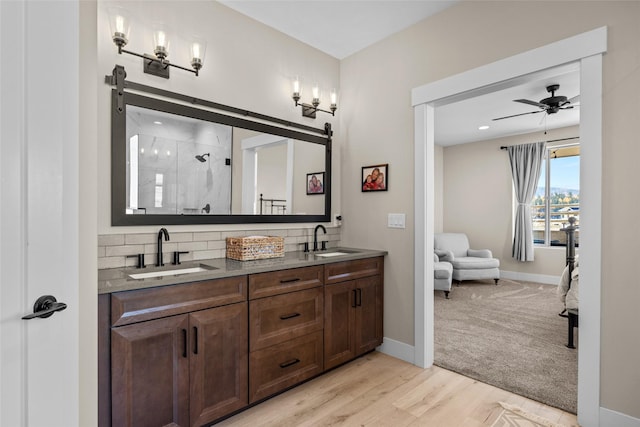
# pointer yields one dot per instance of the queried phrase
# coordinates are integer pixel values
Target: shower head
(201, 158)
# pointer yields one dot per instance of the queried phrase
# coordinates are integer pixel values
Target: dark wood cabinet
(219, 362)
(285, 329)
(150, 373)
(339, 323)
(179, 354)
(368, 311)
(189, 354)
(353, 311)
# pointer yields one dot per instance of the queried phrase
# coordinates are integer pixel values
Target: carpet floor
(509, 336)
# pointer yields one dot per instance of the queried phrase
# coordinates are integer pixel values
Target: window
(558, 196)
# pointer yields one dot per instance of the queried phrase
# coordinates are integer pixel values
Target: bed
(569, 285)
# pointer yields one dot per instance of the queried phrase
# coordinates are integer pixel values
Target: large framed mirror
(173, 163)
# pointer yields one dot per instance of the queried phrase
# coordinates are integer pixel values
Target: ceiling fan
(550, 105)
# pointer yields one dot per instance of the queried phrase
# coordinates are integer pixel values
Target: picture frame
(375, 178)
(315, 183)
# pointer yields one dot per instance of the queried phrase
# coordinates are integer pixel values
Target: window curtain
(526, 160)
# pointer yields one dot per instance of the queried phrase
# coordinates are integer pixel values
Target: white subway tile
(111, 240)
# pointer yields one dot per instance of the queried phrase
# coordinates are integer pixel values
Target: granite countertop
(117, 279)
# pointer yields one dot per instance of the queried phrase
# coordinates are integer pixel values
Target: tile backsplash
(113, 249)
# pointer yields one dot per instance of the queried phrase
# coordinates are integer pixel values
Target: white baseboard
(528, 277)
(397, 349)
(618, 419)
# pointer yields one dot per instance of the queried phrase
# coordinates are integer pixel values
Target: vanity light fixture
(309, 110)
(156, 64)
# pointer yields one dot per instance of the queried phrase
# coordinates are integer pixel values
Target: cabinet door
(150, 373)
(219, 362)
(339, 323)
(368, 314)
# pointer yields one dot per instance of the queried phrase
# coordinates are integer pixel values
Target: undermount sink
(338, 252)
(174, 272)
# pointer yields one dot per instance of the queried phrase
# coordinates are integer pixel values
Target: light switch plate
(396, 220)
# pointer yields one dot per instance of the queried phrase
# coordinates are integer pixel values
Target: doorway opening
(587, 48)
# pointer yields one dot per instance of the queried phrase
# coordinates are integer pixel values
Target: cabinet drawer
(279, 282)
(276, 368)
(146, 304)
(280, 318)
(350, 270)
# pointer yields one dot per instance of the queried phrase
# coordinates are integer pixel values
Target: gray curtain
(526, 160)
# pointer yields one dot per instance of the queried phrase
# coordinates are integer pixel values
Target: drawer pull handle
(184, 340)
(195, 340)
(289, 363)
(289, 316)
(290, 280)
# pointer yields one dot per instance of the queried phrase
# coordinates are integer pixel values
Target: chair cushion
(442, 270)
(458, 243)
(473, 263)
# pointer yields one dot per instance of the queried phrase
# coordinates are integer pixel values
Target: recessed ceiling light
(157, 122)
(483, 127)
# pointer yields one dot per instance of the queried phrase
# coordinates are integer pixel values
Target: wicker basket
(254, 247)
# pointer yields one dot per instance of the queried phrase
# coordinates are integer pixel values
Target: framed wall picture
(315, 183)
(375, 178)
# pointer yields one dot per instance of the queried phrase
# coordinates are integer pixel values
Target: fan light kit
(550, 105)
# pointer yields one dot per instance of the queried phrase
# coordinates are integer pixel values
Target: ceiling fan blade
(521, 114)
(534, 103)
(574, 100)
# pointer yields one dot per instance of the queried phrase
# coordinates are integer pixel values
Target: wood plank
(379, 390)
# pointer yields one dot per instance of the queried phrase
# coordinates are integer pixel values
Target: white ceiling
(458, 123)
(339, 27)
(343, 27)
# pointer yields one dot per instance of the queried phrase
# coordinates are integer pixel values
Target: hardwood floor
(379, 390)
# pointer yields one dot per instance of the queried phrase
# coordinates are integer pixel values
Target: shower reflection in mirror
(177, 165)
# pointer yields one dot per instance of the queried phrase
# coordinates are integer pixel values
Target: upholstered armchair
(468, 264)
(442, 275)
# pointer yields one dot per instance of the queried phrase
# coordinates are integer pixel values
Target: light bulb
(198, 49)
(315, 95)
(296, 85)
(161, 43)
(296, 90)
(120, 26)
(334, 97)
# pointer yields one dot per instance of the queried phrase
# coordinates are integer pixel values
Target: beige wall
(247, 65)
(478, 200)
(377, 124)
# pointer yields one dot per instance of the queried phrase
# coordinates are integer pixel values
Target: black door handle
(44, 307)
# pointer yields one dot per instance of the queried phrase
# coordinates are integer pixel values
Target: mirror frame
(119, 101)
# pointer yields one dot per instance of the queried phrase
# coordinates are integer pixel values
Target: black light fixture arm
(308, 109)
(164, 64)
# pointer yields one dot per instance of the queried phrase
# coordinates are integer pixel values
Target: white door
(39, 211)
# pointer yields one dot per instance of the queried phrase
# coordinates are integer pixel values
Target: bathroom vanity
(189, 349)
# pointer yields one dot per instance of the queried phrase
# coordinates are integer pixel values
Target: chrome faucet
(315, 237)
(163, 232)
